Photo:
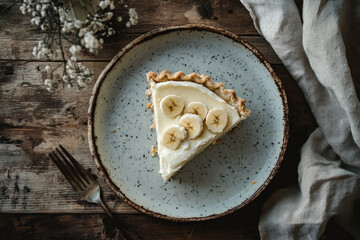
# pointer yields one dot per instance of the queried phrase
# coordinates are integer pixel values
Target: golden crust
(218, 88)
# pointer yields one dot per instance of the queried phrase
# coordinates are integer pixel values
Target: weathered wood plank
(33, 121)
(153, 14)
(98, 226)
(21, 49)
(18, 36)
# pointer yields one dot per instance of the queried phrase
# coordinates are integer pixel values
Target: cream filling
(171, 161)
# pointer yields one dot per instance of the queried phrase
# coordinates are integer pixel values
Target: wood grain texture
(18, 37)
(98, 226)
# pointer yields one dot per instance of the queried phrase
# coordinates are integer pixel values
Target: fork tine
(65, 171)
(73, 171)
(88, 178)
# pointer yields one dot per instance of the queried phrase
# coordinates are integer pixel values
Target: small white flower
(23, 9)
(78, 23)
(128, 24)
(109, 15)
(91, 42)
(65, 78)
(111, 31)
(102, 5)
(82, 32)
(48, 68)
(74, 49)
(119, 19)
(35, 20)
(133, 21)
(112, 6)
(47, 82)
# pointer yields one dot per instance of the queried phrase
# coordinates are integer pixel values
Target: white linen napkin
(313, 51)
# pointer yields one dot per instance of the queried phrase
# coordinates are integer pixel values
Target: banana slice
(197, 108)
(192, 123)
(173, 136)
(216, 120)
(172, 105)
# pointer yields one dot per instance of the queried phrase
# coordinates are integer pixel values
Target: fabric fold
(329, 181)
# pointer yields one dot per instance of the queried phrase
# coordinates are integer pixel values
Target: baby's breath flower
(109, 15)
(133, 16)
(78, 23)
(48, 68)
(112, 6)
(42, 51)
(23, 9)
(49, 84)
(54, 16)
(91, 42)
(103, 4)
(65, 78)
(74, 49)
(111, 31)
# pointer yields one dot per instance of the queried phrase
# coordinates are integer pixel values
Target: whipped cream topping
(172, 160)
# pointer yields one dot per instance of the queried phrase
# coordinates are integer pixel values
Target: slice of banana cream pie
(190, 113)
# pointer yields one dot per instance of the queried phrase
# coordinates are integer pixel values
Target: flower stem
(61, 47)
(56, 67)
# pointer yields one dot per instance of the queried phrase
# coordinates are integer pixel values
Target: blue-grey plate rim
(151, 35)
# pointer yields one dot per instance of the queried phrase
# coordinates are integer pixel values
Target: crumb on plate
(153, 150)
(149, 106)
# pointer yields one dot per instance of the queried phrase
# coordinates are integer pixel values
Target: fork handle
(107, 211)
(122, 232)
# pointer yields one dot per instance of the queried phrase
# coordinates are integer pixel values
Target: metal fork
(85, 184)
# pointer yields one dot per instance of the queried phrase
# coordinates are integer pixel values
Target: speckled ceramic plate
(224, 177)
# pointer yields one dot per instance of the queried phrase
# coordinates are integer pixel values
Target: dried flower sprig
(62, 22)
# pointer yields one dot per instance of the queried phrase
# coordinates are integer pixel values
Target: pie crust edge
(228, 95)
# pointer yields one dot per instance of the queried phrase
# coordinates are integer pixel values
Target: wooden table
(35, 199)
